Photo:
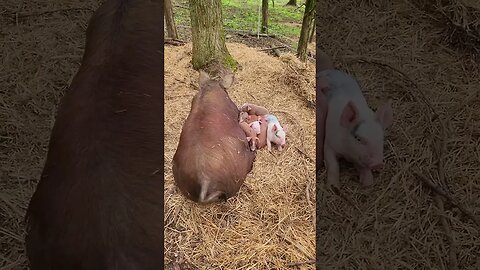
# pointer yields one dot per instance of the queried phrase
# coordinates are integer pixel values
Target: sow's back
(99, 202)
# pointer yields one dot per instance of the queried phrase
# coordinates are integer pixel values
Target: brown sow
(213, 156)
(99, 202)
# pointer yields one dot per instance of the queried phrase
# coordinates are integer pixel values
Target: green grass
(243, 15)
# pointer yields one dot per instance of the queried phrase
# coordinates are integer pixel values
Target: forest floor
(241, 20)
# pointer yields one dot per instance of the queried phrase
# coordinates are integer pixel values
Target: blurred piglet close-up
(352, 130)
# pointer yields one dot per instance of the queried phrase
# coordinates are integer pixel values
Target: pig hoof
(366, 178)
(333, 187)
(333, 184)
(367, 182)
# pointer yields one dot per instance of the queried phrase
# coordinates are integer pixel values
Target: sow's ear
(227, 80)
(203, 78)
(384, 114)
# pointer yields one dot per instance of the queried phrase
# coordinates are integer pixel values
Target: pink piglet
(352, 130)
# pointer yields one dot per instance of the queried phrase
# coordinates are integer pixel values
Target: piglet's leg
(254, 109)
(333, 169)
(366, 177)
(269, 145)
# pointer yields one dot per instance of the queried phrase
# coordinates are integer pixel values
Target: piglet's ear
(349, 115)
(384, 114)
(274, 128)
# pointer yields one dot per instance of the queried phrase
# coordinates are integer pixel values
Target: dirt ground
(397, 51)
(271, 223)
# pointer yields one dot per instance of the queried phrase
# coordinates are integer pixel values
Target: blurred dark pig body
(99, 202)
(213, 156)
(323, 63)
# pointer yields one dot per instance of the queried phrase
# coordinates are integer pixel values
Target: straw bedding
(398, 51)
(270, 223)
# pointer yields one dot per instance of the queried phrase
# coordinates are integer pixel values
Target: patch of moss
(230, 62)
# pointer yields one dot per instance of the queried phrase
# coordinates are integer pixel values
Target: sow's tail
(209, 195)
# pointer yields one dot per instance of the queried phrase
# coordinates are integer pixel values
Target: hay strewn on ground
(271, 223)
(396, 223)
(459, 19)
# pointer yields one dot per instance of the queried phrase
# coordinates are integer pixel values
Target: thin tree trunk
(292, 3)
(264, 16)
(312, 31)
(308, 16)
(169, 20)
(209, 51)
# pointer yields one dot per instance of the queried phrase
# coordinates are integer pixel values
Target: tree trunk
(308, 17)
(312, 31)
(169, 20)
(264, 17)
(209, 51)
(292, 3)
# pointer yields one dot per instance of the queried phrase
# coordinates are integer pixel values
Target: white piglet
(255, 125)
(352, 130)
(275, 132)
